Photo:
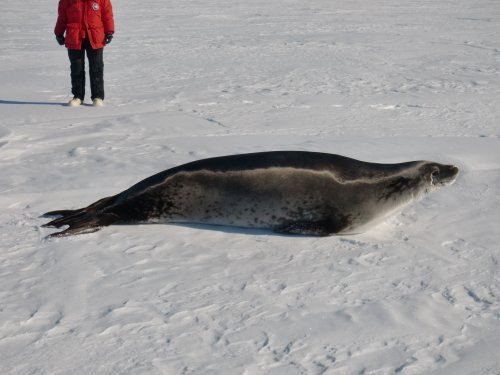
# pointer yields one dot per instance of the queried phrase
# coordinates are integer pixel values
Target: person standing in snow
(85, 26)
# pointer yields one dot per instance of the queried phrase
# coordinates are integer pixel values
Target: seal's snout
(444, 174)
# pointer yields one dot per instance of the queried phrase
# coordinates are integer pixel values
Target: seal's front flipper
(325, 227)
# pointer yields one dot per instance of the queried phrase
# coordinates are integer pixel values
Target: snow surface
(377, 80)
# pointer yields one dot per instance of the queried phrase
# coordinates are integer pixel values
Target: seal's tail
(84, 220)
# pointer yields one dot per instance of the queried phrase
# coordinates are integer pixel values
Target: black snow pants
(96, 71)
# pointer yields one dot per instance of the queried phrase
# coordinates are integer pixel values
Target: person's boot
(98, 102)
(75, 102)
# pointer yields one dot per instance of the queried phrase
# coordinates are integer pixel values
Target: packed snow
(377, 80)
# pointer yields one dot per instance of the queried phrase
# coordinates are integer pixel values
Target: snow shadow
(32, 103)
(236, 230)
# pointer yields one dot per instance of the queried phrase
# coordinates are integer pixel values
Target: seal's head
(439, 175)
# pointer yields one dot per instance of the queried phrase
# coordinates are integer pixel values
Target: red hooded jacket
(92, 19)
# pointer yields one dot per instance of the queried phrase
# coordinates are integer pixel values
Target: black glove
(60, 39)
(109, 37)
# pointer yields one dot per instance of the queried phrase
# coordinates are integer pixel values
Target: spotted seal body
(286, 191)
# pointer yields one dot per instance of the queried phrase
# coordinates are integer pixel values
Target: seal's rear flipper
(60, 213)
(83, 220)
(72, 231)
(101, 204)
(81, 223)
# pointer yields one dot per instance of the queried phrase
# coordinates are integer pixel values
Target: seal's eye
(435, 175)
